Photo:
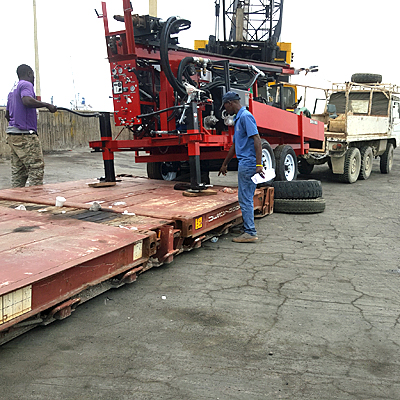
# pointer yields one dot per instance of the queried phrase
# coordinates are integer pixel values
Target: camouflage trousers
(27, 164)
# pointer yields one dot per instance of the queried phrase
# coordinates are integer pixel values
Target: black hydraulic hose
(164, 59)
(161, 111)
(182, 65)
(77, 113)
(237, 68)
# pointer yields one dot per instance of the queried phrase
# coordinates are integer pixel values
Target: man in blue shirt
(247, 147)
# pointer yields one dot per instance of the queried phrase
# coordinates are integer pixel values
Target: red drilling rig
(169, 98)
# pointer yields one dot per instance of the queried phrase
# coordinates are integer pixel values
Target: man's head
(25, 73)
(231, 102)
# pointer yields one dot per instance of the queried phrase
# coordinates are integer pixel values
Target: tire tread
(346, 176)
(299, 206)
(364, 175)
(310, 189)
(366, 78)
(279, 152)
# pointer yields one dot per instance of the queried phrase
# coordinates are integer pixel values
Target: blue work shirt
(245, 128)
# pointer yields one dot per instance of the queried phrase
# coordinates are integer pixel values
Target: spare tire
(299, 206)
(311, 189)
(366, 78)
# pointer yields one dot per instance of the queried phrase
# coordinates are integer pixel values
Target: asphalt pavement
(311, 311)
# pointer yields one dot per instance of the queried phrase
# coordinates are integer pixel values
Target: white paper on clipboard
(269, 174)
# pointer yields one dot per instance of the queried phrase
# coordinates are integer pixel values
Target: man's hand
(52, 108)
(223, 170)
(260, 170)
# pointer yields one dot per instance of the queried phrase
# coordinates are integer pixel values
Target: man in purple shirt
(27, 163)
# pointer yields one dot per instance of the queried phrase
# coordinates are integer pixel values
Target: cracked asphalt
(311, 311)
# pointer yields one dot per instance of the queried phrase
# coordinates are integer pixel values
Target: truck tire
(352, 165)
(267, 155)
(311, 189)
(299, 206)
(286, 163)
(367, 158)
(304, 167)
(166, 171)
(386, 161)
(366, 78)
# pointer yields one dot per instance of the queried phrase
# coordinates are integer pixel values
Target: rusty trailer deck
(193, 216)
(47, 261)
(53, 258)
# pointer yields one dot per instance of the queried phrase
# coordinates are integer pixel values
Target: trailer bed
(54, 258)
(194, 216)
(47, 261)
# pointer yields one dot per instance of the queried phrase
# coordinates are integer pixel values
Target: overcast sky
(341, 37)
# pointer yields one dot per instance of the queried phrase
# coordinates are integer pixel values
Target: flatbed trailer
(55, 258)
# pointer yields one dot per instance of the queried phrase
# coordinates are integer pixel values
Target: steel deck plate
(147, 196)
(142, 196)
(34, 246)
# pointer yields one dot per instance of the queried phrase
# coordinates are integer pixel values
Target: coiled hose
(178, 25)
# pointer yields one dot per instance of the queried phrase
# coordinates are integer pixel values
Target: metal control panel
(125, 89)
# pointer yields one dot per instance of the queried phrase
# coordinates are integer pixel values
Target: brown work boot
(245, 238)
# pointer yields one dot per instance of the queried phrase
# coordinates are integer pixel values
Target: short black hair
(23, 70)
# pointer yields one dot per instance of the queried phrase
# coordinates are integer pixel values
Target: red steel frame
(276, 125)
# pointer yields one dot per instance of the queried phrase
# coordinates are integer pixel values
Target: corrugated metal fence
(61, 131)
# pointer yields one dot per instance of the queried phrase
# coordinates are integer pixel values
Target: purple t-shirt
(22, 117)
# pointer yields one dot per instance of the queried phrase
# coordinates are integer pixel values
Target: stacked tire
(298, 197)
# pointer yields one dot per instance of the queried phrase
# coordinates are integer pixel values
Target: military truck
(362, 122)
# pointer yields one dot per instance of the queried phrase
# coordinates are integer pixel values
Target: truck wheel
(299, 206)
(267, 155)
(366, 78)
(304, 167)
(311, 189)
(367, 158)
(166, 171)
(286, 163)
(387, 159)
(352, 165)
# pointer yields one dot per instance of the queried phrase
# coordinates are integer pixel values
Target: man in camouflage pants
(26, 151)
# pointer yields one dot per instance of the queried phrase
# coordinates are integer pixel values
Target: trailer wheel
(352, 165)
(267, 155)
(286, 163)
(166, 171)
(299, 206)
(311, 189)
(367, 158)
(387, 159)
(304, 167)
(366, 78)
